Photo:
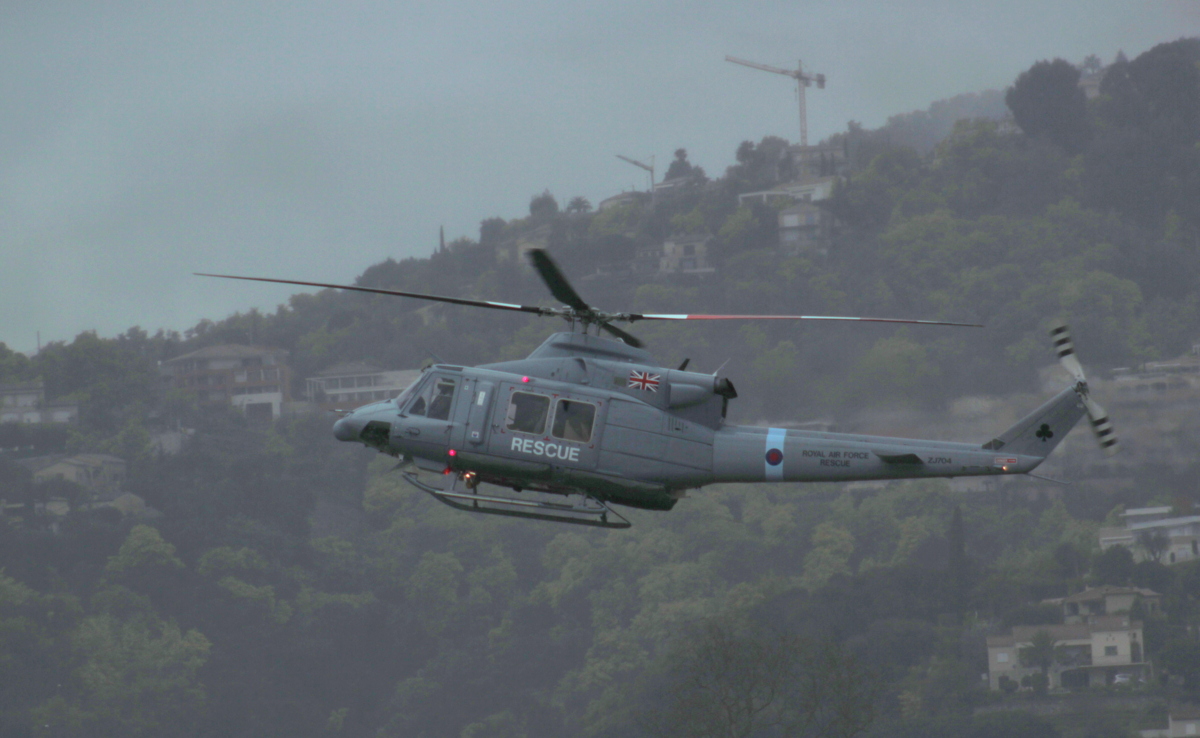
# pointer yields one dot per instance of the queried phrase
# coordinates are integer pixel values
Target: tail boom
(753, 454)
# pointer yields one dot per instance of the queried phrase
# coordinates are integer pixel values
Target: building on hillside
(685, 254)
(93, 472)
(1090, 83)
(253, 379)
(1156, 533)
(518, 248)
(1090, 654)
(670, 188)
(822, 160)
(624, 198)
(1096, 602)
(808, 189)
(647, 260)
(805, 229)
(349, 385)
(1183, 721)
(1174, 381)
(25, 402)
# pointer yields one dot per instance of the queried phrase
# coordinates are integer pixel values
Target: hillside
(285, 584)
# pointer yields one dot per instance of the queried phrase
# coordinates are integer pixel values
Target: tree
(1040, 653)
(1046, 101)
(1114, 566)
(579, 204)
(1181, 657)
(135, 678)
(727, 679)
(681, 167)
(491, 230)
(1154, 542)
(543, 206)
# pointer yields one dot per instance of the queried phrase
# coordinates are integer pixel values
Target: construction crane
(648, 167)
(802, 81)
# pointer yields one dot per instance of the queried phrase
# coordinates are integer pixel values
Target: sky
(142, 142)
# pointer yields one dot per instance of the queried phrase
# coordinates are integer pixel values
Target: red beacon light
(525, 380)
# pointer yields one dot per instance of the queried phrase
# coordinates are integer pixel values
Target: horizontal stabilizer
(899, 458)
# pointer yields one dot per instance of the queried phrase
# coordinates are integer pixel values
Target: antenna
(802, 81)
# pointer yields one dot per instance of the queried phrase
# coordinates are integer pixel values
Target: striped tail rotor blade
(1102, 427)
(1065, 348)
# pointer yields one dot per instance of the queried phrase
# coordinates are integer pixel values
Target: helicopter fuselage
(585, 414)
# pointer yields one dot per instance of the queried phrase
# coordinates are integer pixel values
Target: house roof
(1075, 631)
(1096, 593)
(40, 463)
(228, 351)
(349, 368)
(1136, 511)
(1164, 523)
(37, 463)
(33, 384)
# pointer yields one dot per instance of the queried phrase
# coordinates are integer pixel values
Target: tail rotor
(1101, 425)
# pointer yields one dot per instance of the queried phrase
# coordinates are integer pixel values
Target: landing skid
(586, 510)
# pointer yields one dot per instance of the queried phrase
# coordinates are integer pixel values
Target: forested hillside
(293, 586)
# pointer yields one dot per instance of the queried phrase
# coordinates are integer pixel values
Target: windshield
(404, 396)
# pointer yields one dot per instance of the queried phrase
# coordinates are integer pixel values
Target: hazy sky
(143, 141)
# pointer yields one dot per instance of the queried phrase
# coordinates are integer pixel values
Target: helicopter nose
(347, 428)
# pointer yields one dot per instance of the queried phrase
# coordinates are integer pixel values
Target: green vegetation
(293, 586)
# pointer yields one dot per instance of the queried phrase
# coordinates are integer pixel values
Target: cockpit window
(406, 394)
(527, 413)
(434, 399)
(573, 421)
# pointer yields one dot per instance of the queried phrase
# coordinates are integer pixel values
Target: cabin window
(434, 400)
(527, 413)
(573, 421)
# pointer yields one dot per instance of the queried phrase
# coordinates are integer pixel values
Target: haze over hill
(259, 578)
(312, 141)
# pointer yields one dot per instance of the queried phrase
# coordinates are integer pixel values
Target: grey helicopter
(586, 422)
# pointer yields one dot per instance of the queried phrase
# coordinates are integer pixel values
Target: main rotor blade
(659, 316)
(398, 293)
(554, 279)
(631, 340)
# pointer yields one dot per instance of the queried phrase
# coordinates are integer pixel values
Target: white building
(1181, 534)
(350, 385)
(1086, 654)
(808, 189)
(25, 402)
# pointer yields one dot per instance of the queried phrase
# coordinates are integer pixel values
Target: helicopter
(587, 422)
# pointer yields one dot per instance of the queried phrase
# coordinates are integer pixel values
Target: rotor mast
(803, 81)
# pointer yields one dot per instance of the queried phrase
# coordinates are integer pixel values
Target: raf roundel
(774, 457)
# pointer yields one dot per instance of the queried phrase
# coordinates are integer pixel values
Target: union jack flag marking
(644, 380)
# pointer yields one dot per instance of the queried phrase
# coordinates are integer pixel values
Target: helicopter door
(427, 421)
(477, 416)
(545, 427)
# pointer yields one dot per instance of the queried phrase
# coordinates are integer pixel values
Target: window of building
(573, 421)
(527, 413)
(1110, 650)
(1002, 658)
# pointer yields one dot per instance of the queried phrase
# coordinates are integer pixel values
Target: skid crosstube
(589, 511)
